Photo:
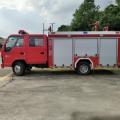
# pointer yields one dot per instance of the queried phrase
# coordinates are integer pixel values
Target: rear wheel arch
(83, 66)
(87, 60)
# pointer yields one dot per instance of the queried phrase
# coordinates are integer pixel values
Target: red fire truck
(81, 51)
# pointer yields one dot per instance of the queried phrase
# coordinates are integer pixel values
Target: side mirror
(7, 49)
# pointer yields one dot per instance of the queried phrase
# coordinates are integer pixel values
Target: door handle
(22, 53)
(41, 52)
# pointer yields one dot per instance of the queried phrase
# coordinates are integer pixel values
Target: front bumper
(2, 66)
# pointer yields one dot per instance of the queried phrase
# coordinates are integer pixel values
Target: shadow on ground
(67, 72)
(92, 116)
(103, 72)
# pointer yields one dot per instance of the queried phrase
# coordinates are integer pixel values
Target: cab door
(36, 52)
(14, 50)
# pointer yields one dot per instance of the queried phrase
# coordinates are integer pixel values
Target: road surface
(4, 72)
(61, 95)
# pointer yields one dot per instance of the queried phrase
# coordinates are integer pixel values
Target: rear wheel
(83, 68)
(19, 68)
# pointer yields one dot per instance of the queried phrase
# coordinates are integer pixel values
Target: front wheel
(19, 68)
(83, 68)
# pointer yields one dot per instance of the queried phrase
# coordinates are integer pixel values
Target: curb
(5, 80)
(0, 59)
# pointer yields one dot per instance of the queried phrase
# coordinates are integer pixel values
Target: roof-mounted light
(22, 32)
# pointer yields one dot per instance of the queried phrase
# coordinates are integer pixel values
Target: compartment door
(62, 52)
(108, 51)
(85, 46)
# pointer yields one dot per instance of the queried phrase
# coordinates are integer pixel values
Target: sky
(30, 15)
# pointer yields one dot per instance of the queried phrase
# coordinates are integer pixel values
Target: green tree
(118, 2)
(111, 16)
(84, 16)
(64, 28)
(88, 13)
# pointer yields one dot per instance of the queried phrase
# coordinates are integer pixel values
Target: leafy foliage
(111, 16)
(64, 28)
(88, 13)
(84, 16)
(118, 2)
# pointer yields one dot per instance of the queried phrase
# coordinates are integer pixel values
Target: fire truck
(81, 51)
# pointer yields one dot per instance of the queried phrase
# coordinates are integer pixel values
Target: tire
(83, 68)
(19, 68)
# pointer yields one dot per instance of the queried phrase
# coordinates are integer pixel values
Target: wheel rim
(84, 69)
(17, 68)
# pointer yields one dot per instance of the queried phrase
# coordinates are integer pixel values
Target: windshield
(13, 41)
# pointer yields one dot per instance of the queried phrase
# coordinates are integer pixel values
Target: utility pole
(52, 26)
(43, 28)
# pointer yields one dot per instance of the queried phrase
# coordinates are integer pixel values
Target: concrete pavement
(61, 95)
(5, 75)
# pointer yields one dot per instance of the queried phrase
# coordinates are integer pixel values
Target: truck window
(19, 42)
(35, 41)
(41, 41)
(11, 42)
